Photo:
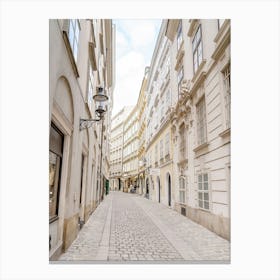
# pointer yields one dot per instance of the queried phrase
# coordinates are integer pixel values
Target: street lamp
(100, 99)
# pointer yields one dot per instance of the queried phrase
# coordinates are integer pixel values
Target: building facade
(200, 59)
(116, 148)
(130, 151)
(141, 107)
(82, 55)
(159, 167)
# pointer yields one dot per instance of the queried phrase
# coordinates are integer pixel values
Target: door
(169, 190)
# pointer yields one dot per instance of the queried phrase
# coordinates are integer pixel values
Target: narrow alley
(127, 227)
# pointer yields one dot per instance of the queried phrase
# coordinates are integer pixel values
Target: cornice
(171, 28)
(193, 25)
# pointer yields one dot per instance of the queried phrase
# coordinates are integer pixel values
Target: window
(90, 84)
(74, 31)
(161, 149)
(197, 49)
(201, 122)
(55, 163)
(203, 191)
(179, 79)
(182, 189)
(179, 35)
(226, 78)
(182, 149)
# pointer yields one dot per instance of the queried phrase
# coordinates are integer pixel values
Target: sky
(135, 43)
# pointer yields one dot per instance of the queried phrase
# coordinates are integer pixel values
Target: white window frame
(90, 85)
(197, 49)
(227, 95)
(182, 147)
(201, 121)
(202, 191)
(182, 189)
(179, 35)
(73, 35)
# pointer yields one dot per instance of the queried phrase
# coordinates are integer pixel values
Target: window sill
(205, 210)
(53, 219)
(192, 27)
(225, 133)
(200, 147)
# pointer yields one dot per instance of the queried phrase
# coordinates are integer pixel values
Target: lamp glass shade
(100, 97)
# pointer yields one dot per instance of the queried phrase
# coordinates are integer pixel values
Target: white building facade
(116, 148)
(82, 55)
(201, 120)
(130, 151)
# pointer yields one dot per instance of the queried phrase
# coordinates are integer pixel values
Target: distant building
(141, 107)
(130, 151)
(116, 148)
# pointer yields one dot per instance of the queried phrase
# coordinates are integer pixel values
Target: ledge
(193, 24)
(53, 219)
(204, 145)
(171, 28)
(225, 133)
(199, 77)
(222, 42)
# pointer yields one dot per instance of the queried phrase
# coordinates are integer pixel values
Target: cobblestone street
(127, 227)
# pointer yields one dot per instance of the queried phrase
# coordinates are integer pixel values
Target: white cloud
(135, 41)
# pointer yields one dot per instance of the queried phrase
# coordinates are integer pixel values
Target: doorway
(158, 183)
(147, 188)
(169, 189)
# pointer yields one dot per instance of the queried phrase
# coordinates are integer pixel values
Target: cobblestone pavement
(128, 228)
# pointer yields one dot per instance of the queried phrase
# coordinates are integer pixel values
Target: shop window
(55, 163)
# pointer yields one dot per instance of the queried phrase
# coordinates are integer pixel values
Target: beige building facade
(81, 58)
(142, 119)
(130, 151)
(159, 154)
(201, 121)
(116, 148)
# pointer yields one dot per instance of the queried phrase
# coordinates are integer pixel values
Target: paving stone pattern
(130, 228)
(134, 236)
